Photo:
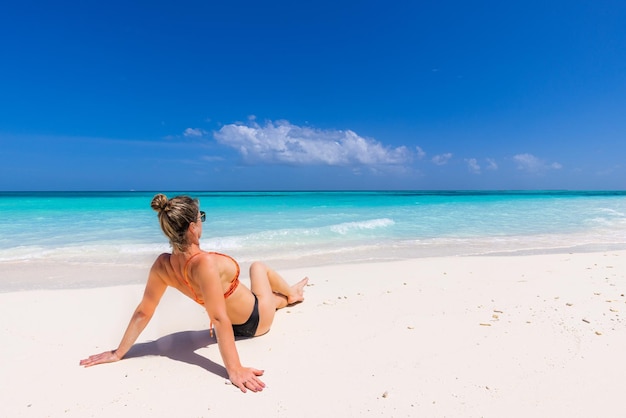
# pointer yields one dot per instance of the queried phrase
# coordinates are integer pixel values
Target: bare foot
(297, 292)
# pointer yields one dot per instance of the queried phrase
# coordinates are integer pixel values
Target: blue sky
(283, 95)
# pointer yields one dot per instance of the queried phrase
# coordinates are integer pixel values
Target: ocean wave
(89, 253)
(346, 227)
(612, 212)
(295, 237)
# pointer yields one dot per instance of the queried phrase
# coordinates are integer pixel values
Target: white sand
(539, 336)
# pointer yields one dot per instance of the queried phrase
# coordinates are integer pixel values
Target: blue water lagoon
(292, 229)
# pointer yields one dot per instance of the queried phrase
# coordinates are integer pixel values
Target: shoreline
(537, 335)
(41, 274)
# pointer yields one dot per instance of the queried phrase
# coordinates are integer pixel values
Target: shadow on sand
(181, 346)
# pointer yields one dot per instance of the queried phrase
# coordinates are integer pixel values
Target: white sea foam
(346, 227)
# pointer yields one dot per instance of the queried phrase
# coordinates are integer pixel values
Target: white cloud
(420, 153)
(528, 162)
(194, 132)
(473, 166)
(442, 159)
(282, 142)
(491, 164)
(532, 164)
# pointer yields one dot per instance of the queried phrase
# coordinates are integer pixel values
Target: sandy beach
(514, 336)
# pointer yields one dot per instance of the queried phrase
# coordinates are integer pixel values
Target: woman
(212, 280)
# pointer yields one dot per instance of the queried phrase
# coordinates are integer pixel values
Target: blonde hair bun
(159, 202)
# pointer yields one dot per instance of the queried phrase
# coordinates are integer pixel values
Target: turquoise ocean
(297, 229)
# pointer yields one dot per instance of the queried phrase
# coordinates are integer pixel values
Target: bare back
(179, 271)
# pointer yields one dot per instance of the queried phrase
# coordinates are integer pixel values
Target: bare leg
(273, 292)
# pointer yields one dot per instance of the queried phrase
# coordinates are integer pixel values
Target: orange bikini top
(233, 284)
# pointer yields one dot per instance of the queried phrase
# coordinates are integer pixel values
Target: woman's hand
(106, 357)
(246, 378)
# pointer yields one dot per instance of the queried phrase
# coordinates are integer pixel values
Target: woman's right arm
(245, 378)
(155, 287)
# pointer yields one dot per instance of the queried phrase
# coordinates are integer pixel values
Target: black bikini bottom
(248, 328)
